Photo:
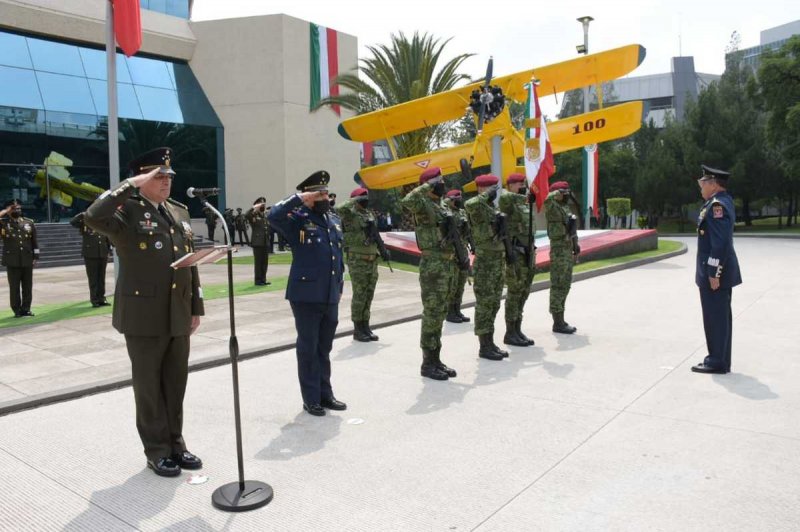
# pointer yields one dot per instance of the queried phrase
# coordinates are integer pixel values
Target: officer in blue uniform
(316, 281)
(717, 268)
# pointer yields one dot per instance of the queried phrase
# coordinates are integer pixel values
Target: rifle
(572, 229)
(466, 231)
(530, 252)
(374, 237)
(501, 233)
(449, 229)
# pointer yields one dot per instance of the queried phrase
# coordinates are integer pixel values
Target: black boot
(464, 318)
(521, 334)
(512, 337)
(503, 353)
(561, 326)
(487, 348)
(439, 364)
(368, 330)
(359, 334)
(453, 315)
(429, 367)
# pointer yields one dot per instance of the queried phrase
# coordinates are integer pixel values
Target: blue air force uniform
(316, 281)
(716, 258)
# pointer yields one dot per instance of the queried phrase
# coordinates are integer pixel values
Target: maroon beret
(486, 180)
(516, 178)
(360, 191)
(430, 173)
(559, 185)
(455, 193)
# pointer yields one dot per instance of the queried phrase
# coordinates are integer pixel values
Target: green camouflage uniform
(561, 258)
(518, 275)
(489, 265)
(437, 268)
(362, 257)
(460, 216)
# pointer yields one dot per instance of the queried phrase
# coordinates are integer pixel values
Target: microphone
(201, 192)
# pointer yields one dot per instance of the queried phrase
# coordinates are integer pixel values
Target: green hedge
(618, 207)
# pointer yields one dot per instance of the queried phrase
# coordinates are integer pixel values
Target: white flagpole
(113, 126)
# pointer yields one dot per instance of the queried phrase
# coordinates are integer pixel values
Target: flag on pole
(324, 65)
(128, 25)
(539, 165)
(590, 179)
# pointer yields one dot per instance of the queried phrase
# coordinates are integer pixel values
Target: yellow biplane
(495, 129)
(62, 188)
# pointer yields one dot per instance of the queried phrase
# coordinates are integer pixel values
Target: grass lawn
(762, 225)
(278, 258)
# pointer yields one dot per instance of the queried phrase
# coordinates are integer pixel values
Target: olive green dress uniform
(240, 222)
(94, 250)
(20, 249)
(153, 307)
(259, 240)
(211, 222)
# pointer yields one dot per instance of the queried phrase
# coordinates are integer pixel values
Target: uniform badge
(718, 211)
(147, 216)
(186, 227)
(27, 227)
(142, 245)
(159, 244)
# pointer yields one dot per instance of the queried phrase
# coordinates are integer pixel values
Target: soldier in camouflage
(437, 269)
(516, 205)
(362, 259)
(489, 266)
(564, 250)
(454, 202)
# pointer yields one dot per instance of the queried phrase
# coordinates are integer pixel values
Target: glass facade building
(176, 8)
(54, 124)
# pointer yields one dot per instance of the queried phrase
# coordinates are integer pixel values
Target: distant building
(771, 39)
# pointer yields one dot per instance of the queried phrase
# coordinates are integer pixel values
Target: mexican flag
(127, 25)
(539, 165)
(324, 64)
(590, 179)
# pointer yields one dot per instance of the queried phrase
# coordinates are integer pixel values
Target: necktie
(163, 212)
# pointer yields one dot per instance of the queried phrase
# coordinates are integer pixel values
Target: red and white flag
(128, 25)
(539, 165)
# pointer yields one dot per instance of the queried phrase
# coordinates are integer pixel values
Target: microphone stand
(245, 494)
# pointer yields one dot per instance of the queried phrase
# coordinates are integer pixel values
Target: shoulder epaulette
(177, 203)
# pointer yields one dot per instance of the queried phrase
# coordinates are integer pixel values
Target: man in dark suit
(316, 281)
(717, 268)
(20, 254)
(157, 307)
(94, 250)
(259, 239)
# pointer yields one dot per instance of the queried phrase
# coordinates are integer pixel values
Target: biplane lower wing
(570, 133)
(67, 187)
(450, 105)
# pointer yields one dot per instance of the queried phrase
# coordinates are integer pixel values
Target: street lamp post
(584, 49)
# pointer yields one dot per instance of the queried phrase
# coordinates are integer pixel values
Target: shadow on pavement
(492, 372)
(745, 386)
(359, 349)
(438, 395)
(305, 435)
(568, 342)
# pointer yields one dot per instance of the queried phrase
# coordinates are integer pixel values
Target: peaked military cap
(431, 173)
(516, 178)
(157, 158)
(559, 185)
(486, 180)
(713, 173)
(316, 182)
(455, 194)
(360, 191)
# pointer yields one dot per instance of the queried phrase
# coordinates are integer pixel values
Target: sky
(523, 34)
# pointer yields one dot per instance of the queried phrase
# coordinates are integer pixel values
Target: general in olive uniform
(717, 269)
(562, 227)
(361, 247)
(256, 216)
(157, 307)
(20, 253)
(516, 204)
(316, 281)
(453, 201)
(95, 248)
(437, 269)
(489, 266)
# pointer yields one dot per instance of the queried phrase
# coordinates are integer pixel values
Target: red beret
(486, 180)
(516, 178)
(455, 193)
(430, 173)
(559, 185)
(360, 191)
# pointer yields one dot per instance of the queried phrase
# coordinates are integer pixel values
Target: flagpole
(113, 126)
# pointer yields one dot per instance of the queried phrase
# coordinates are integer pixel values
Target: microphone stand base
(229, 498)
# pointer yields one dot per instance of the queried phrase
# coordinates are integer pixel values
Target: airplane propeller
(486, 95)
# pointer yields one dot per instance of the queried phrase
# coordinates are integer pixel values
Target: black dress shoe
(105, 303)
(187, 460)
(314, 410)
(333, 404)
(95, 305)
(702, 368)
(27, 313)
(164, 467)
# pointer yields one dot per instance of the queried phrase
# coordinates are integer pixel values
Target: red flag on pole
(539, 164)
(128, 25)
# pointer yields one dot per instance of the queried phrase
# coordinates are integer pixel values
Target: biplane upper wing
(431, 110)
(570, 133)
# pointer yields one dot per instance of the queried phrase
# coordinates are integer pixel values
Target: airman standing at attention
(157, 307)
(564, 250)
(454, 202)
(437, 269)
(259, 240)
(516, 204)
(94, 250)
(20, 254)
(489, 265)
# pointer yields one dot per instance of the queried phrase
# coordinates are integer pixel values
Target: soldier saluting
(95, 248)
(20, 253)
(562, 228)
(157, 307)
(256, 216)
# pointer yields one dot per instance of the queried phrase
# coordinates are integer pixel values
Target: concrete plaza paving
(604, 430)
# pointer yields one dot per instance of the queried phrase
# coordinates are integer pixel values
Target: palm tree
(400, 72)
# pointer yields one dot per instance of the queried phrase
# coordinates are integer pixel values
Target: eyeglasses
(161, 176)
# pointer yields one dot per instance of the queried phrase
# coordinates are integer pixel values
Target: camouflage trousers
(364, 277)
(519, 279)
(561, 263)
(437, 279)
(461, 282)
(489, 267)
